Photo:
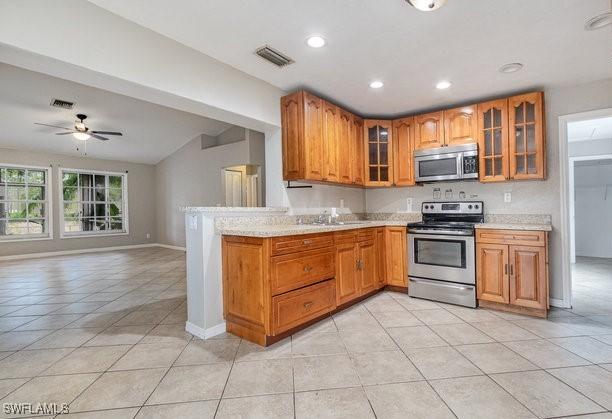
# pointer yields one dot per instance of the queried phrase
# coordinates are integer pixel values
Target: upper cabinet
(493, 141)
(403, 150)
(378, 150)
(526, 136)
(325, 143)
(429, 130)
(460, 125)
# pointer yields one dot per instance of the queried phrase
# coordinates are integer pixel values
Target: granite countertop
(292, 229)
(515, 226)
(237, 210)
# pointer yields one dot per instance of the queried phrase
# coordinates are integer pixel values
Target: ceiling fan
(81, 131)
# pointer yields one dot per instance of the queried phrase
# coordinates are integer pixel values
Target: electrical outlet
(148, 235)
(408, 204)
(508, 197)
(341, 202)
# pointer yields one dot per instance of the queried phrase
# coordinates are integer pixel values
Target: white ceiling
(150, 132)
(465, 41)
(592, 129)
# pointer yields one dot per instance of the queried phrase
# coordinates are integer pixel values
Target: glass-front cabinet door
(378, 148)
(526, 136)
(493, 141)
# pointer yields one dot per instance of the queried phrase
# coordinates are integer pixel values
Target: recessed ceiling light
(444, 84)
(376, 84)
(510, 68)
(598, 21)
(427, 5)
(315, 41)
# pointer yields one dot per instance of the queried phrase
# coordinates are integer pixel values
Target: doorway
(586, 153)
(242, 186)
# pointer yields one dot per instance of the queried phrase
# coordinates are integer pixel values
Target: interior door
(368, 267)
(346, 272)
(528, 276)
(233, 188)
(492, 282)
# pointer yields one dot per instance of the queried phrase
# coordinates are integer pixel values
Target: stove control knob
(476, 206)
(470, 206)
(426, 206)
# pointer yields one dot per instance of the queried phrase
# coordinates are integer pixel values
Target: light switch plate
(508, 197)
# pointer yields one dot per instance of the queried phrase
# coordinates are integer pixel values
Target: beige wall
(141, 199)
(193, 177)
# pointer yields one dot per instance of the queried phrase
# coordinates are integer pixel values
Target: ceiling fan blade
(53, 126)
(99, 137)
(107, 132)
(65, 133)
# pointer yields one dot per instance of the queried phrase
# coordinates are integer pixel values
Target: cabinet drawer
(288, 272)
(365, 234)
(291, 244)
(520, 237)
(296, 307)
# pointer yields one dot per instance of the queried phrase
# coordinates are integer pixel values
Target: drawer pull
(307, 268)
(307, 242)
(307, 305)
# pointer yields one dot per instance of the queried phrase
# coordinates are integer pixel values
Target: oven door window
(439, 167)
(449, 253)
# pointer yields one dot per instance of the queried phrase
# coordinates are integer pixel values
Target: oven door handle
(458, 287)
(443, 232)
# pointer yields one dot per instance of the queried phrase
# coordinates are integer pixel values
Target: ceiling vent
(275, 57)
(64, 104)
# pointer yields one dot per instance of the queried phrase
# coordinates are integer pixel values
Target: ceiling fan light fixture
(426, 5)
(599, 21)
(81, 136)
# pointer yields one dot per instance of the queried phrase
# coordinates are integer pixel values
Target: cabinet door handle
(511, 270)
(307, 305)
(307, 268)
(506, 269)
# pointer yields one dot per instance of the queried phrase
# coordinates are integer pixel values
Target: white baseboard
(168, 246)
(76, 251)
(91, 250)
(205, 333)
(555, 302)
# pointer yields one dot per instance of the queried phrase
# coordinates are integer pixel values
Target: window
(93, 203)
(24, 202)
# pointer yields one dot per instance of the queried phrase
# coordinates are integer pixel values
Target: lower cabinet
(512, 270)
(273, 286)
(395, 257)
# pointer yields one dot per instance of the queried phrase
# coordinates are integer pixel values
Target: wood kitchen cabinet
(460, 125)
(512, 270)
(395, 254)
(527, 136)
(343, 150)
(347, 286)
(494, 162)
(403, 151)
(331, 122)
(357, 152)
(378, 140)
(429, 130)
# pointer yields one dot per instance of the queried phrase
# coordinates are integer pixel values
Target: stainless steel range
(441, 252)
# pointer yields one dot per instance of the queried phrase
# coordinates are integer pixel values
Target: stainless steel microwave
(446, 163)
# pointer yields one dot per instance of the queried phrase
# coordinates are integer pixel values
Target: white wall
(593, 210)
(141, 199)
(193, 177)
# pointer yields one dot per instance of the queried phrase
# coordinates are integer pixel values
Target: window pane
(115, 195)
(36, 226)
(384, 135)
(70, 179)
(497, 117)
(374, 173)
(70, 193)
(17, 227)
(36, 176)
(100, 181)
(116, 224)
(36, 193)
(15, 175)
(87, 210)
(115, 181)
(100, 210)
(519, 117)
(2, 191)
(487, 119)
(100, 194)
(86, 180)
(2, 227)
(520, 140)
(2, 175)
(87, 224)
(36, 210)
(72, 225)
(71, 210)
(3, 210)
(373, 134)
(383, 154)
(16, 193)
(101, 224)
(16, 210)
(115, 209)
(87, 194)
(487, 140)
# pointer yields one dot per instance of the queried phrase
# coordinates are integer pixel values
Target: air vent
(64, 104)
(275, 57)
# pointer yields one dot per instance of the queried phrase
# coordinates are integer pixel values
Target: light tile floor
(105, 333)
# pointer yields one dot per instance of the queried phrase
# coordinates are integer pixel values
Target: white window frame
(48, 206)
(100, 233)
